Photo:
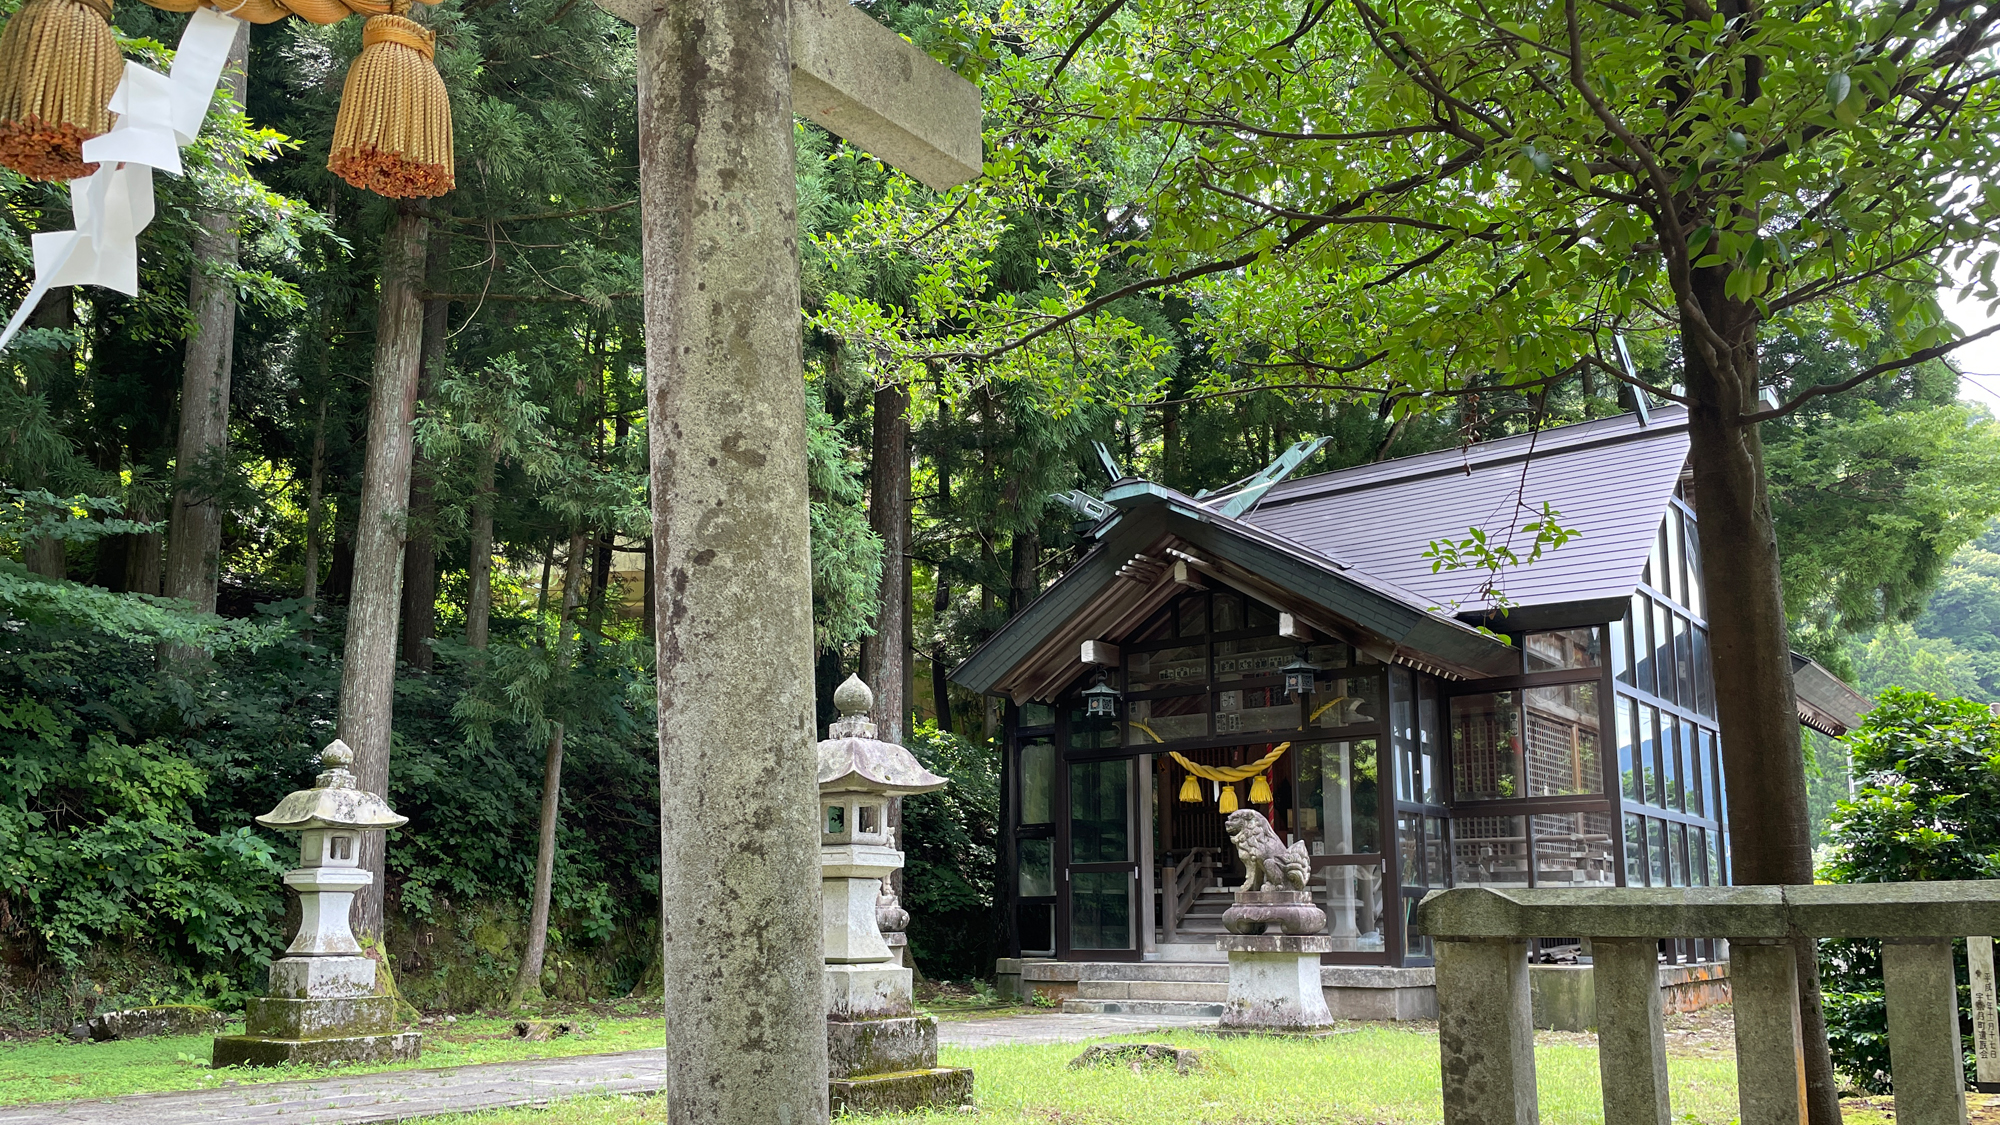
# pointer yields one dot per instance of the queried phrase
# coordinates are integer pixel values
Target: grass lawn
(1375, 1075)
(54, 1069)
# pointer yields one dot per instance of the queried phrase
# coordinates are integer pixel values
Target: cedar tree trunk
(886, 657)
(368, 666)
(528, 981)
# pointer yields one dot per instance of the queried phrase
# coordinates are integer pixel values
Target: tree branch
(1911, 360)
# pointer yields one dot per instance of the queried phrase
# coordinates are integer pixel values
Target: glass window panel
(1038, 873)
(1152, 721)
(1635, 851)
(1672, 791)
(1663, 651)
(1712, 767)
(1038, 928)
(1704, 676)
(1683, 661)
(1344, 701)
(1327, 657)
(1656, 851)
(1228, 611)
(1677, 837)
(1100, 910)
(1562, 740)
(1430, 737)
(1253, 709)
(1690, 768)
(1436, 833)
(1257, 615)
(1711, 842)
(1192, 612)
(1621, 649)
(1351, 895)
(1091, 733)
(1696, 599)
(1642, 647)
(1649, 755)
(1160, 628)
(1486, 758)
(1663, 579)
(1403, 731)
(1574, 850)
(1489, 851)
(1258, 656)
(1037, 715)
(1410, 848)
(1183, 664)
(1099, 815)
(1038, 779)
(1676, 558)
(1563, 648)
(1416, 945)
(1698, 856)
(1339, 797)
(1631, 782)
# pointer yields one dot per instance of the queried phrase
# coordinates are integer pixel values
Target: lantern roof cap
(333, 801)
(853, 760)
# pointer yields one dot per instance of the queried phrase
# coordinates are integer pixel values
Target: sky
(1980, 361)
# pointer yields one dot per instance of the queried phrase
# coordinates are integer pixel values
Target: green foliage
(1495, 555)
(1928, 808)
(846, 552)
(1961, 622)
(950, 838)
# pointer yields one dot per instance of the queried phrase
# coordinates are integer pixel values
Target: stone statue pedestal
(1274, 984)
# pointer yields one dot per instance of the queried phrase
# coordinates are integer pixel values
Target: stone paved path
(400, 1095)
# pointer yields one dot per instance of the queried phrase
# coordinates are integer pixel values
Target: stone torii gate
(719, 82)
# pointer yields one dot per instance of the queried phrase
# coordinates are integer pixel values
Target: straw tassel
(1191, 790)
(393, 135)
(1260, 790)
(1227, 803)
(59, 64)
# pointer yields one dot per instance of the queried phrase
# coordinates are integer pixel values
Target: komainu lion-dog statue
(1267, 864)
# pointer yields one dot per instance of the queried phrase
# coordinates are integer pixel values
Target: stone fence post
(1486, 1046)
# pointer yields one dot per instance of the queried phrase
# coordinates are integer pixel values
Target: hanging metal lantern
(1100, 700)
(1300, 676)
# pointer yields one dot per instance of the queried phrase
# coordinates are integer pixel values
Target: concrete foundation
(1564, 996)
(860, 992)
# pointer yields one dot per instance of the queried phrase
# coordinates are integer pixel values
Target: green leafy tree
(1928, 808)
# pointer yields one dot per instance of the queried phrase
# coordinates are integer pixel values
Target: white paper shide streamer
(157, 114)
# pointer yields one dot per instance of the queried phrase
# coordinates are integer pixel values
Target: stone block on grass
(142, 1023)
(901, 1091)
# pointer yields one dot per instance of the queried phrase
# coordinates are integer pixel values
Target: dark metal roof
(1610, 479)
(1038, 647)
(1826, 704)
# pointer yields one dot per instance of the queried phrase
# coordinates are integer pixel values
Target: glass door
(1099, 896)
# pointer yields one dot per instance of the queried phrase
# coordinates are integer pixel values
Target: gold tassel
(1260, 791)
(59, 64)
(1190, 790)
(393, 135)
(1227, 803)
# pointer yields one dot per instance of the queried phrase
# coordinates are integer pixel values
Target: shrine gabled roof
(1129, 573)
(1610, 479)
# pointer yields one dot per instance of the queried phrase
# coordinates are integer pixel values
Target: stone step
(1181, 972)
(1215, 992)
(1196, 1008)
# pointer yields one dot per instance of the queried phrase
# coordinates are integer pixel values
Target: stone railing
(1486, 1037)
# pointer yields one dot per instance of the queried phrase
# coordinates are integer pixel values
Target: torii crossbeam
(719, 82)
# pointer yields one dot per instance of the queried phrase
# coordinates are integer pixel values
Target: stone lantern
(323, 1007)
(881, 1055)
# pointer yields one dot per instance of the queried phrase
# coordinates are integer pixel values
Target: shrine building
(1287, 646)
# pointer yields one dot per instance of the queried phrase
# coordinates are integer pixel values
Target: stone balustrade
(1486, 1038)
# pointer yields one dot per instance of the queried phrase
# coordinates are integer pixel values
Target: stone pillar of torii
(719, 83)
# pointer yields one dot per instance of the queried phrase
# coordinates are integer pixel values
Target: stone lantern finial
(853, 700)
